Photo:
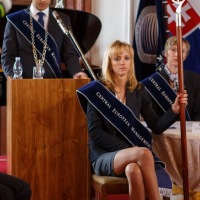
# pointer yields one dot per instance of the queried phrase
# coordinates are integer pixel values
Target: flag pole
(182, 106)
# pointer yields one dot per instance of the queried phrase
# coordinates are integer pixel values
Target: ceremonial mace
(182, 106)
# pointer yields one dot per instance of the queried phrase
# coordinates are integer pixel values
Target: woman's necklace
(38, 61)
(121, 96)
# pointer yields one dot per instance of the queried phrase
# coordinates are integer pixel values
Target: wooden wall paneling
(84, 5)
(28, 2)
(22, 2)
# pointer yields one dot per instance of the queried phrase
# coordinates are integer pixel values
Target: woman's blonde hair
(112, 50)
(171, 41)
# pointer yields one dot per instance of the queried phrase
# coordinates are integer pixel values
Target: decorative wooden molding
(28, 2)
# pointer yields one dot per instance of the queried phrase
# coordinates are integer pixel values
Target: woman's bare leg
(135, 180)
(144, 159)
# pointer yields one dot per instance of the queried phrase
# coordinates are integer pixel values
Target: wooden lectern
(47, 138)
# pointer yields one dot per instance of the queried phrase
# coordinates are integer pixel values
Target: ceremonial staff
(182, 106)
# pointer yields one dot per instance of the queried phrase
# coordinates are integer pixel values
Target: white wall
(118, 19)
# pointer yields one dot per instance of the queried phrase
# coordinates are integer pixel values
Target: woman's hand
(181, 98)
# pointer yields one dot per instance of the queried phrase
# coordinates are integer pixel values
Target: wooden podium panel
(47, 138)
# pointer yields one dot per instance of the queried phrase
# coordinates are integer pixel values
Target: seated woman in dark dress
(112, 152)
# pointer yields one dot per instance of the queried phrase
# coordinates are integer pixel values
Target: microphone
(68, 32)
(60, 22)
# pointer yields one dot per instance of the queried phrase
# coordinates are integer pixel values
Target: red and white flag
(190, 13)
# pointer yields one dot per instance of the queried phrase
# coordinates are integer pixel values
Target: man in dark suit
(34, 35)
(191, 79)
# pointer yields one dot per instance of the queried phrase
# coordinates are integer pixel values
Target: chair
(105, 185)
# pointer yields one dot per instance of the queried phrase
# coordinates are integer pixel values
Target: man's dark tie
(40, 19)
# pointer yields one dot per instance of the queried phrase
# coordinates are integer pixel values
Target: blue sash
(21, 21)
(124, 120)
(161, 92)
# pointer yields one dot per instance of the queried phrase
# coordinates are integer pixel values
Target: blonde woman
(111, 107)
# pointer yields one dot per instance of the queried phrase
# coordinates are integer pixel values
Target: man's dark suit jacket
(192, 85)
(15, 44)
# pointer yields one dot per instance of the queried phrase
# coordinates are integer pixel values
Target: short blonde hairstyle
(173, 41)
(114, 49)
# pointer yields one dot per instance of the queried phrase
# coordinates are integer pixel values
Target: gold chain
(38, 61)
(121, 96)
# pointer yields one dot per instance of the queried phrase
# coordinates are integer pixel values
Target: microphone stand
(66, 30)
(72, 38)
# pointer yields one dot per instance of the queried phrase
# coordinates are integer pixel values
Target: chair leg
(96, 195)
(99, 196)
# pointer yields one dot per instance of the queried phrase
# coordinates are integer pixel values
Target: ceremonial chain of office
(38, 61)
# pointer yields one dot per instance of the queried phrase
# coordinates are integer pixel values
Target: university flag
(149, 39)
(190, 30)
